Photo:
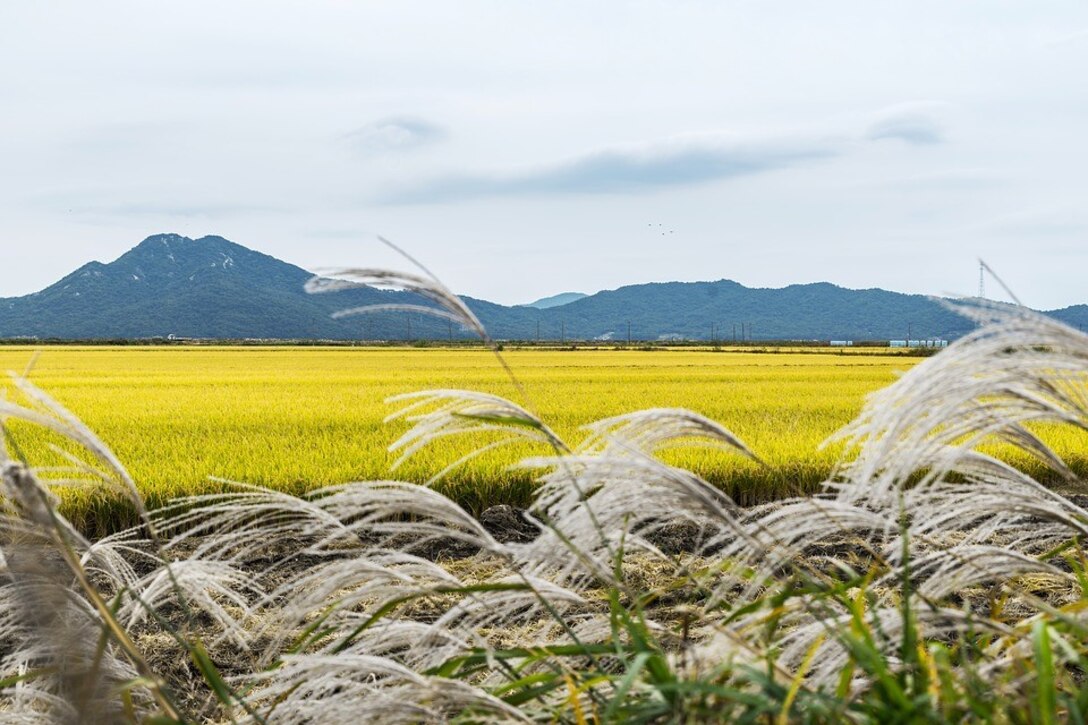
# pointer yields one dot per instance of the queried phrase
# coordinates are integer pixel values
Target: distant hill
(564, 298)
(213, 288)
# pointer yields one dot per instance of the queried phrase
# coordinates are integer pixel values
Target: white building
(932, 342)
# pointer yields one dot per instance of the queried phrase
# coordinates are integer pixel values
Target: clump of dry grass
(928, 581)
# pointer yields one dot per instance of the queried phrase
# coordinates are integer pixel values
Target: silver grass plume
(344, 589)
(447, 305)
(48, 632)
(653, 430)
(225, 594)
(424, 283)
(438, 414)
(252, 523)
(349, 688)
(47, 413)
(1019, 368)
(596, 506)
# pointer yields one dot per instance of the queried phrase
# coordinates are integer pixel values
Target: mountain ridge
(211, 287)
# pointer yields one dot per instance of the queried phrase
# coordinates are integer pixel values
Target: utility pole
(562, 331)
(908, 333)
(628, 332)
(538, 330)
(981, 280)
(734, 333)
(409, 318)
(450, 323)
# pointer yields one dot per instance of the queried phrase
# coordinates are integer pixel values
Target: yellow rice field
(296, 418)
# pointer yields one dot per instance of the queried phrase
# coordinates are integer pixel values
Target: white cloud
(394, 134)
(635, 169)
(913, 123)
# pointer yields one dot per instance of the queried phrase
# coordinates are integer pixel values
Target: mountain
(564, 298)
(213, 288)
(699, 310)
(1075, 316)
(208, 287)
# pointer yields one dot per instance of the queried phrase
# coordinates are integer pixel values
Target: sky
(525, 148)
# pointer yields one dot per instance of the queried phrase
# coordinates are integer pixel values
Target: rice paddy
(298, 418)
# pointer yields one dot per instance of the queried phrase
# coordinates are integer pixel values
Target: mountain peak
(178, 249)
(163, 239)
(563, 298)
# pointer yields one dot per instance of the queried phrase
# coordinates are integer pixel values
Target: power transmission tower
(983, 267)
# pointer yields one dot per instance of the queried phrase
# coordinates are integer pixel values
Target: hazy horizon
(525, 150)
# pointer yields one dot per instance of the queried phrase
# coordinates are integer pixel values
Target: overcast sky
(522, 149)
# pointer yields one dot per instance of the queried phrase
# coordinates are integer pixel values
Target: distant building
(933, 342)
(842, 343)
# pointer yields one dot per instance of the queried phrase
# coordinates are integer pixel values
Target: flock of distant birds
(663, 233)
